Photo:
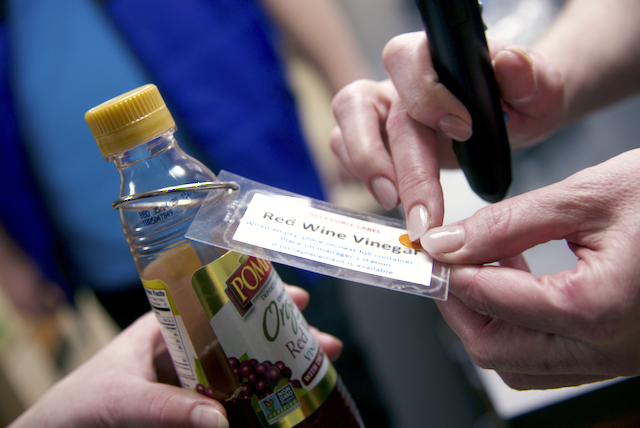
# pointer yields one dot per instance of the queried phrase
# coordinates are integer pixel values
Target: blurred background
(420, 373)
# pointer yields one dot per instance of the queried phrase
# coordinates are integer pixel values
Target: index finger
(414, 149)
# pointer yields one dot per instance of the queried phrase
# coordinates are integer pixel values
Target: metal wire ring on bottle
(204, 185)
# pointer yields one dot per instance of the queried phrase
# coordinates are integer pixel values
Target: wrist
(593, 45)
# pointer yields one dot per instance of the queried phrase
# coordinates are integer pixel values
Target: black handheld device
(460, 55)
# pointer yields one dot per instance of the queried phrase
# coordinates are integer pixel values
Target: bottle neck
(145, 150)
(156, 164)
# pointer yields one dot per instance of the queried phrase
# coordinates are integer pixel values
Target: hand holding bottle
(119, 386)
(247, 316)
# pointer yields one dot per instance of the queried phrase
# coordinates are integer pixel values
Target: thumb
(515, 75)
(168, 406)
(532, 93)
(503, 230)
(205, 416)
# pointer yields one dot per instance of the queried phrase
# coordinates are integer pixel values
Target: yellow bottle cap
(124, 122)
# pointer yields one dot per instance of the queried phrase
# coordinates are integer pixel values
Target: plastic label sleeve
(301, 232)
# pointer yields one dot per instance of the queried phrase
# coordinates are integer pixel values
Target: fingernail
(454, 127)
(203, 416)
(417, 222)
(445, 239)
(385, 192)
(528, 85)
(330, 337)
(522, 53)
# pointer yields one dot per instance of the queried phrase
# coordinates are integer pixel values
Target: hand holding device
(460, 55)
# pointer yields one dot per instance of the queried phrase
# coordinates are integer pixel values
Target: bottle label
(183, 355)
(267, 341)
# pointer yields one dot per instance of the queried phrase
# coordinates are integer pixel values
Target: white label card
(290, 226)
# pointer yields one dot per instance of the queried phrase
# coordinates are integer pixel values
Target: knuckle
(480, 355)
(430, 100)
(397, 119)
(343, 97)
(412, 44)
(350, 94)
(362, 161)
(393, 47)
(492, 226)
(416, 179)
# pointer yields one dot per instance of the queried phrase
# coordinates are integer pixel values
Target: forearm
(595, 45)
(322, 32)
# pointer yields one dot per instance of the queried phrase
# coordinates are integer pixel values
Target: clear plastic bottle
(231, 328)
